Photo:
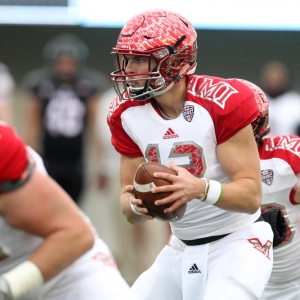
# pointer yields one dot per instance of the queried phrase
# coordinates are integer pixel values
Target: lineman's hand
(5, 293)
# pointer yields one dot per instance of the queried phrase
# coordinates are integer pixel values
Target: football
(144, 181)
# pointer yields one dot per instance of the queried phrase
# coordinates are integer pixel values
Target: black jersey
(64, 110)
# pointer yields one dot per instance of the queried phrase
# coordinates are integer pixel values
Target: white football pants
(235, 267)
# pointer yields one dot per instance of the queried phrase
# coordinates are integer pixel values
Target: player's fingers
(174, 167)
(171, 198)
(129, 188)
(146, 216)
(174, 206)
(166, 176)
(136, 201)
(164, 188)
(143, 211)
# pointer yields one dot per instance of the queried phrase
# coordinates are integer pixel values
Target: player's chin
(137, 84)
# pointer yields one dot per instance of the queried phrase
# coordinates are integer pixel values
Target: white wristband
(133, 209)
(214, 192)
(23, 278)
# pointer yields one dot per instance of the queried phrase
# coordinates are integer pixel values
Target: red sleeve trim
(14, 159)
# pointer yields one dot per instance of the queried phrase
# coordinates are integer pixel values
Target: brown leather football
(144, 181)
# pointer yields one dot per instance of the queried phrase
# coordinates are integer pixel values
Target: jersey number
(191, 150)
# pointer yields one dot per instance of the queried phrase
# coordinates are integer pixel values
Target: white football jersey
(280, 165)
(215, 110)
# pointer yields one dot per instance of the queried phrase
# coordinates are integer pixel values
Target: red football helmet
(260, 124)
(164, 35)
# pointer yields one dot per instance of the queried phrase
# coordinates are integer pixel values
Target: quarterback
(200, 126)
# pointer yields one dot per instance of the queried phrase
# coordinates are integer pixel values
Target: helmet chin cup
(138, 93)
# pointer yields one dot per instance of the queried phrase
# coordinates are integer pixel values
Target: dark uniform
(64, 112)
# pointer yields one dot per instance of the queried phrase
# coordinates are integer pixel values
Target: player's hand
(185, 187)
(137, 203)
(5, 293)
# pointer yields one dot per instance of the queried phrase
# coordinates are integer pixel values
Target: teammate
(280, 169)
(48, 248)
(200, 126)
(62, 104)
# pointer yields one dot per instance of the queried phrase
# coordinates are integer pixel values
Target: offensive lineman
(48, 248)
(220, 249)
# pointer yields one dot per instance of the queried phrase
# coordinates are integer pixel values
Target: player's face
(139, 65)
(65, 66)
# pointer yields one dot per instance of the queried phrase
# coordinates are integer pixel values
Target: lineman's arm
(42, 208)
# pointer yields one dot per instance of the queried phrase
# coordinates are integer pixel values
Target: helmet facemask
(261, 127)
(124, 82)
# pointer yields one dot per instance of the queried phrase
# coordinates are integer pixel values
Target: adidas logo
(194, 269)
(170, 134)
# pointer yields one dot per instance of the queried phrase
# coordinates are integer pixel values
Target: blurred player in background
(221, 248)
(284, 101)
(7, 90)
(62, 104)
(280, 169)
(49, 250)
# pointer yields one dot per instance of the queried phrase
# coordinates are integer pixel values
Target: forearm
(243, 195)
(56, 253)
(59, 250)
(240, 160)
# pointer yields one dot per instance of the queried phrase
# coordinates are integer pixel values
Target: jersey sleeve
(240, 112)
(15, 168)
(285, 147)
(120, 139)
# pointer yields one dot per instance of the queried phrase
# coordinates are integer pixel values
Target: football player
(61, 100)
(280, 168)
(48, 248)
(200, 126)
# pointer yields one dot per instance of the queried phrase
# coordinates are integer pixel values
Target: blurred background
(235, 39)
